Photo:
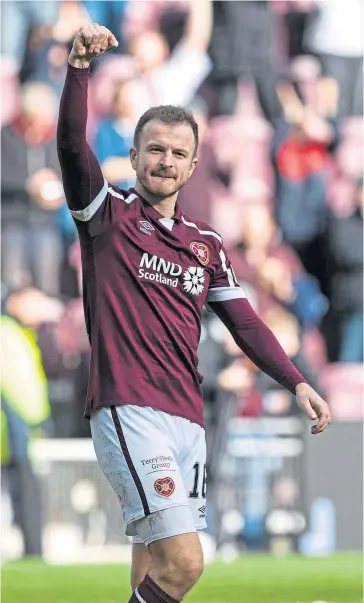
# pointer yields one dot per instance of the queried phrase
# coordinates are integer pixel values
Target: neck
(166, 206)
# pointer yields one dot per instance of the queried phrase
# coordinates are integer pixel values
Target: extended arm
(199, 25)
(81, 173)
(82, 177)
(257, 341)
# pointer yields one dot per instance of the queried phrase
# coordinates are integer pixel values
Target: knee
(184, 570)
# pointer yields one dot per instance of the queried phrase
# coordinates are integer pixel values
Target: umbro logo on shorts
(202, 510)
(164, 486)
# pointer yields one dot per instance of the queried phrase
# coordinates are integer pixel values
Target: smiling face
(164, 158)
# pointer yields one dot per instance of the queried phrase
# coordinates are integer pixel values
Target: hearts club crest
(164, 486)
(201, 251)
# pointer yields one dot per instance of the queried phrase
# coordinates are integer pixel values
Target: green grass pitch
(251, 579)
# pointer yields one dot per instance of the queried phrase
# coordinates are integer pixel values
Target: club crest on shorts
(164, 486)
(201, 251)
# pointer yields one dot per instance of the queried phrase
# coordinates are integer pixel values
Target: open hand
(314, 407)
(91, 41)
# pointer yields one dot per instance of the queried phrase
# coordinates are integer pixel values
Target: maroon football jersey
(146, 279)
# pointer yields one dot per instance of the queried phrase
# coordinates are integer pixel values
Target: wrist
(299, 386)
(78, 62)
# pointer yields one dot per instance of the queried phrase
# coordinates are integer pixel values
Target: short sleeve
(224, 284)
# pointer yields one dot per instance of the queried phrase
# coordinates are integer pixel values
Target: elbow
(62, 140)
(62, 155)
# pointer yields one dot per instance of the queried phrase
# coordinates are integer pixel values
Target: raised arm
(257, 341)
(82, 177)
(199, 25)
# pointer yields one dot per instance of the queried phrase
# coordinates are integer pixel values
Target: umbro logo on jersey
(145, 227)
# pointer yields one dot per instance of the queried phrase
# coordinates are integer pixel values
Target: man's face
(38, 103)
(149, 50)
(164, 160)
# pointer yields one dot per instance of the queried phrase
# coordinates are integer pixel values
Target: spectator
(197, 196)
(304, 141)
(243, 48)
(18, 18)
(48, 46)
(344, 254)
(114, 138)
(335, 36)
(173, 79)
(142, 15)
(297, 14)
(286, 328)
(25, 409)
(271, 266)
(258, 393)
(32, 193)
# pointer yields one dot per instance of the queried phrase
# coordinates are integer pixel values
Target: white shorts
(154, 461)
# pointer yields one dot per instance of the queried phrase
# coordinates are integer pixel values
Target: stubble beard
(158, 194)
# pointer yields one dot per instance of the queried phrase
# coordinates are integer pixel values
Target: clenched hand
(91, 41)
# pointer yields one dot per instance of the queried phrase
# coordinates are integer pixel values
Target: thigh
(138, 456)
(193, 470)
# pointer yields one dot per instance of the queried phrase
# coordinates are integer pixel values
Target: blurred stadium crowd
(277, 88)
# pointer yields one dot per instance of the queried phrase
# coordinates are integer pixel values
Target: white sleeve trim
(203, 232)
(127, 200)
(226, 269)
(220, 294)
(84, 215)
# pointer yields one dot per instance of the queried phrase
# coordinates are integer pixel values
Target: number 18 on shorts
(153, 461)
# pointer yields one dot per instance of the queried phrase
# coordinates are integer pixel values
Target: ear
(194, 162)
(133, 153)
